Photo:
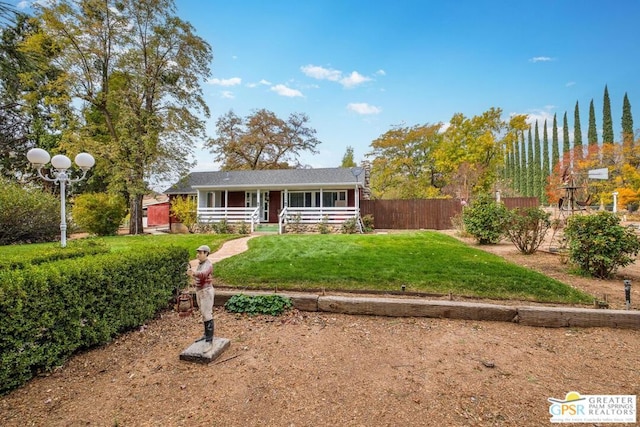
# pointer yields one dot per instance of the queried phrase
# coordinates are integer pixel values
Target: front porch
(334, 216)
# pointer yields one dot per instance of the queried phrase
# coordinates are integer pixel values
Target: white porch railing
(317, 215)
(231, 215)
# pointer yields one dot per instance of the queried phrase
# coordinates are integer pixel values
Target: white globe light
(85, 161)
(61, 162)
(38, 156)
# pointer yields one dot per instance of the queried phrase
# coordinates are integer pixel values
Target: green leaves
(273, 305)
(599, 245)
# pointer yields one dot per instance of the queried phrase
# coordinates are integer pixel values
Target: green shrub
(27, 215)
(350, 226)
(598, 244)
(527, 228)
(185, 210)
(51, 310)
(323, 226)
(99, 213)
(485, 220)
(221, 227)
(273, 305)
(368, 222)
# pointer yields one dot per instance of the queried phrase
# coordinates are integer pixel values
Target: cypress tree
(537, 160)
(544, 176)
(577, 135)
(531, 176)
(607, 123)
(592, 131)
(555, 146)
(516, 165)
(523, 167)
(627, 121)
(566, 145)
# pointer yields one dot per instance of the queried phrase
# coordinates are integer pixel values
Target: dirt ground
(322, 369)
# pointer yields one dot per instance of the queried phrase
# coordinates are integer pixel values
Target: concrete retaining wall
(553, 317)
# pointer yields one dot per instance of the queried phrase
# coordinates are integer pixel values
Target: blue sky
(358, 68)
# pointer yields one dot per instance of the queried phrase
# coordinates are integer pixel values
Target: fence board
(415, 214)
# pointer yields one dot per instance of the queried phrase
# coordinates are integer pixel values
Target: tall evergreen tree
(523, 166)
(555, 146)
(607, 123)
(592, 131)
(531, 169)
(537, 160)
(627, 121)
(578, 152)
(516, 165)
(544, 176)
(566, 145)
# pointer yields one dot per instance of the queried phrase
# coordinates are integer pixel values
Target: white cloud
(363, 108)
(354, 79)
(283, 90)
(381, 73)
(541, 59)
(234, 81)
(227, 94)
(321, 73)
(569, 84)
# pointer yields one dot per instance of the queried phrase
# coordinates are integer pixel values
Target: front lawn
(426, 262)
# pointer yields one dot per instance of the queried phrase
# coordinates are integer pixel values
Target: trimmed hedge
(51, 310)
(75, 249)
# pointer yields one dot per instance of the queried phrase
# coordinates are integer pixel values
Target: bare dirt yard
(322, 369)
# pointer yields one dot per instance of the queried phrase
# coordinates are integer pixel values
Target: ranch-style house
(305, 197)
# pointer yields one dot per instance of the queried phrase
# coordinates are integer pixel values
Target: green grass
(126, 242)
(427, 262)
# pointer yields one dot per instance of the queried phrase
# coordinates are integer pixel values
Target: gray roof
(278, 179)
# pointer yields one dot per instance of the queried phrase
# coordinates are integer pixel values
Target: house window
(300, 199)
(211, 199)
(310, 199)
(332, 199)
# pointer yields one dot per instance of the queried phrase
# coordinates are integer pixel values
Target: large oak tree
(262, 140)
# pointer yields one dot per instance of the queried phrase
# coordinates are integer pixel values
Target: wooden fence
(415, 214)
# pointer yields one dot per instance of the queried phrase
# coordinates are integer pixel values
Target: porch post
(259, 202)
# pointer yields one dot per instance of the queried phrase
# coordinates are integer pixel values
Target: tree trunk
(135, 214)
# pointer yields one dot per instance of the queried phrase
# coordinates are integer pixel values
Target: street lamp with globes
(61, 163)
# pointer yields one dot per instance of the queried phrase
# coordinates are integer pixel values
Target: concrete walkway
(231, 248)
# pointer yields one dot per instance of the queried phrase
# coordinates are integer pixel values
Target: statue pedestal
(203, 352)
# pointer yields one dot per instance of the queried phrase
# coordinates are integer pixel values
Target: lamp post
(61, 163)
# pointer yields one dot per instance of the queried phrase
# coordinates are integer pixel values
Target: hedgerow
(51, 310)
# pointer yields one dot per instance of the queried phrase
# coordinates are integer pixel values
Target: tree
(566, 145)
(531, 170)
(592, 132)
(473, 151)
(26, 118)
(555, 145)
(577, 134)
(537, 164)
(607, 123)
(262, 141)
(545, 162)
(627, 122)
(347, 159)
(404, 163)
(138, 68)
